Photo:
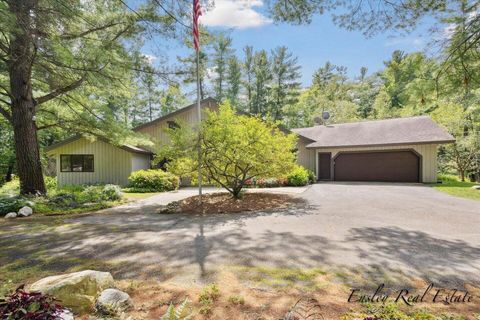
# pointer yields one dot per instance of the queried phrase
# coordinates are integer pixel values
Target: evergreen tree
(261, 88)
(221, 55)
(249, 77)
(189, 63)
(172, 99)
(285, 85)
(234, 75)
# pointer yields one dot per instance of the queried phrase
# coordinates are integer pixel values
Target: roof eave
(174, 113)
(313, 146)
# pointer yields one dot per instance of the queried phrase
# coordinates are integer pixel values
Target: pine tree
(234, 75)
(221, 55)
(261, 89)
(249, 76)
(285, 81)
(63, 63)
(171, 99)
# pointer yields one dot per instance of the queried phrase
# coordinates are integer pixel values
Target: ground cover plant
(66, 199)
(29, 305)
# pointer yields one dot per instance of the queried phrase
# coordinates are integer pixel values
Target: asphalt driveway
(376, 230)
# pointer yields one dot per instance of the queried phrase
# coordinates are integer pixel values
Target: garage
(390, 150)
(384, 166)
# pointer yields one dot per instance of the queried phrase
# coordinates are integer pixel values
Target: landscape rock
(476, 187)
(10, 215)
(25, 211)
(171, 208)
(65, 315)
(113, 301)
(77, 291)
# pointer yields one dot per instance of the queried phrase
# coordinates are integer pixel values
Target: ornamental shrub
(312, 178)
(271, 182)
(91, 194)
(153, 180)
(299, 176)
(29, 305)
(112, 192)
(50, 183)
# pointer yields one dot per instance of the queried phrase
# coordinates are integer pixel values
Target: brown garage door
(391, 166)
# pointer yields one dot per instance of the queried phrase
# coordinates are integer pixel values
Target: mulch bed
(223, 202)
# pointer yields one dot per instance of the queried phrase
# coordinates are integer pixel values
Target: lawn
(138, 195)
(458, 188)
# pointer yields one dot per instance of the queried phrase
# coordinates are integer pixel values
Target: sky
(314, 44)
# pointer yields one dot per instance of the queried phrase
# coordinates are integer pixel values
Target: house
(393, 150)
(81, 161)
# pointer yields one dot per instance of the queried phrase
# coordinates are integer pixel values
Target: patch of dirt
(223, 202)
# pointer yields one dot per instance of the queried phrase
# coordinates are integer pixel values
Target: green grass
(452, 186)
(281, 277)
(48, 209)
(139, 195)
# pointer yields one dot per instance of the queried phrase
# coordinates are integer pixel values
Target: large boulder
(77, 291)
(25, 211)
(10, 215)
(113, 301)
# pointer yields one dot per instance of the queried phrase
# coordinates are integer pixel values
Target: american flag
(197, 12)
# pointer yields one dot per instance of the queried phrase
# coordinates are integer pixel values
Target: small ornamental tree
(234, 149)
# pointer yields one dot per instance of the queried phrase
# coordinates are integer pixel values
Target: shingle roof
(135, 149)
(413, 130)
(125, 147)
(204, 103)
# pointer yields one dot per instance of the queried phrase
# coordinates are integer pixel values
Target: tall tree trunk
(23, 105)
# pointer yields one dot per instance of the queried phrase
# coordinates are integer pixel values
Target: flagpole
(199, 115)
(197, 12)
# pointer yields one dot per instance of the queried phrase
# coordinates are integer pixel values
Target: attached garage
(392, 150)
(386, 166)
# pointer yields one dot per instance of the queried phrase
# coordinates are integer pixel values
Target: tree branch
(70, 36)
(57, 92)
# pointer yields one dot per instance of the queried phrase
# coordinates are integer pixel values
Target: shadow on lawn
(160, 246)
(148, 245)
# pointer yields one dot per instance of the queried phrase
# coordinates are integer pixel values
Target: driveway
(376, 230)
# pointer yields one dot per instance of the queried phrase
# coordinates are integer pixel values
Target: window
(173, 125)
(76, 163)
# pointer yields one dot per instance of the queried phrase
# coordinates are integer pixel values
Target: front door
(324, 160)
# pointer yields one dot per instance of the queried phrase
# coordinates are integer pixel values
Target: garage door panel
(391, 166)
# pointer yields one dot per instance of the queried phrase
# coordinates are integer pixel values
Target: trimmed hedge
(153, 180)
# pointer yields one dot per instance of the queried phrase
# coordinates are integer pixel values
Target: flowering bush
(29, 305)
(271, 182)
